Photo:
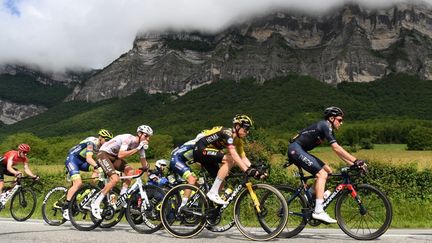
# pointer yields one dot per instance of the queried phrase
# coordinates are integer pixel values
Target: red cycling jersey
(15, 157)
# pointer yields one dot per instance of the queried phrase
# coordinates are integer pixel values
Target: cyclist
(311, 137)
(111, 158)
(208, 151)
(13, 157)
(156, 176)
(80, 158)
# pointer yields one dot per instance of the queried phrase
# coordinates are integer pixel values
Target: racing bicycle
(256, 219)
(362, 211)
(22, 198)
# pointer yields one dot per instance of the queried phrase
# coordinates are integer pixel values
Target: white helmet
(93, 140)
(145, 129)
(161, 162)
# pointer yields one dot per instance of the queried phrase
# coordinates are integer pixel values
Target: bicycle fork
(254, 197)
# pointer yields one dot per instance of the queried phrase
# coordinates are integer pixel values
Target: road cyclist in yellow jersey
(208, 151)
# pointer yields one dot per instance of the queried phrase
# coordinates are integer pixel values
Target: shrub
(420, 138)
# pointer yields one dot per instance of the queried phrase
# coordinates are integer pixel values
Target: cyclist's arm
(236, 157)
(343, 154)
(27, 170)
(144, 162)
(9, 166)
(89, 156)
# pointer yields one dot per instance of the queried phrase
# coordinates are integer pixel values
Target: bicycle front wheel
(80, 211)
(52, 206)
(263, 222)
(186, 221)
(144, 216)
(23, 204)
(367, 218)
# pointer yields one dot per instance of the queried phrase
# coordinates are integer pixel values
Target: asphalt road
(37, 231)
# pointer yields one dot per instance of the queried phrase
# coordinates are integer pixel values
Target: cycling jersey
(76, 160)
(15, 158)
(209, 149)
(125, 142)
(306, 140)
(314, 135)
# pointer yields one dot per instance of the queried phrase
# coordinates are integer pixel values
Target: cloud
(72, 34)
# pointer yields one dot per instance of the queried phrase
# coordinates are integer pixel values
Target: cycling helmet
(333, 111)
(24, 148)
(161, 162)
(105, 134)
(243, 120)
(145, 129)
(93, 140)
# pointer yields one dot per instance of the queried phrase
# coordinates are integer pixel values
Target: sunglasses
(246, 127)
(339, 119)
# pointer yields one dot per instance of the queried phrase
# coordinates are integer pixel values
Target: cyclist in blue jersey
(311, 137)
(80, 158)
(156, 176)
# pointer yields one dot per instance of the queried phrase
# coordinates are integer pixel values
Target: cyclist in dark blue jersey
(80, 158)
(311, 137)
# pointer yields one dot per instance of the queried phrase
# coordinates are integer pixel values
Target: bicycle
(362, 211)
(55, 199)
(23, 199)
(198, 213)
(140, 208)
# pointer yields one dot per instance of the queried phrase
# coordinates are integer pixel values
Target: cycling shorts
(110, 163)
(303, 159)
(75, 164)
(209, 158)
(4, 171)
(178, 166)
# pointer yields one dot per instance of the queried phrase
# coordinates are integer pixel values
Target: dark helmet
(105, 134)
(243, 120)
(333, 111)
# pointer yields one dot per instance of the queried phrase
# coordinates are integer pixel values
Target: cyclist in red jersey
(11, 158)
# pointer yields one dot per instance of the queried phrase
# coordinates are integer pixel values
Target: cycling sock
(216, 185)
(99, 199)
(319, 205)
(123, 190)
(184, 201)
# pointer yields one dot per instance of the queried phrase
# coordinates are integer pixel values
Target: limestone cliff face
(12, 112)
(349, 44)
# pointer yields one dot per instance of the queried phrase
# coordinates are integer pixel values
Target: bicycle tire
(23, 204)
(77, 214)
(192, 220)
(141, 220)
(52, 206)
(371, 198)
(296, 220)
(274, 206)
(112, 216)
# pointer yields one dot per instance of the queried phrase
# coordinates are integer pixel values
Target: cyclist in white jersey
(111, 158)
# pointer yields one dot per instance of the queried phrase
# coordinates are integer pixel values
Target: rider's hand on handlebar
(36, 178)
(360, 164)
(18, 175)
(256, 173)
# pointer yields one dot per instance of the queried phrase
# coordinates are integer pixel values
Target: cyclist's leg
(128, 170)
(2, 172)
(179, 167)
(105, 161)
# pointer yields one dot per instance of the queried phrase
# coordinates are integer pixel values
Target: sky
(59, 35)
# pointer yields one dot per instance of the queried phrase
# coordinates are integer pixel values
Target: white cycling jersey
(123, 142)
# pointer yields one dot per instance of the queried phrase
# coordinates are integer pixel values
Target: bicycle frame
(12, 192)
(138, 185)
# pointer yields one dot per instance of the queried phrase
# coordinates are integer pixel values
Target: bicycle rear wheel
(189, 220)
(368, 219)
(23, 204)
(144, 217)
(52, 206)
(269, 221)
(79, 209)
(296, 204)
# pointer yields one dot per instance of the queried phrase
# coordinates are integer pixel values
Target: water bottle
(201, 180)
(82, 195)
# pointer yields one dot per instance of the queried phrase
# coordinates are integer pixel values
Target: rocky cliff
(351, 43)
(12, 112)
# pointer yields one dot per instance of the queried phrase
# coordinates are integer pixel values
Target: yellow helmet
(243, 120)
(105, 134)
